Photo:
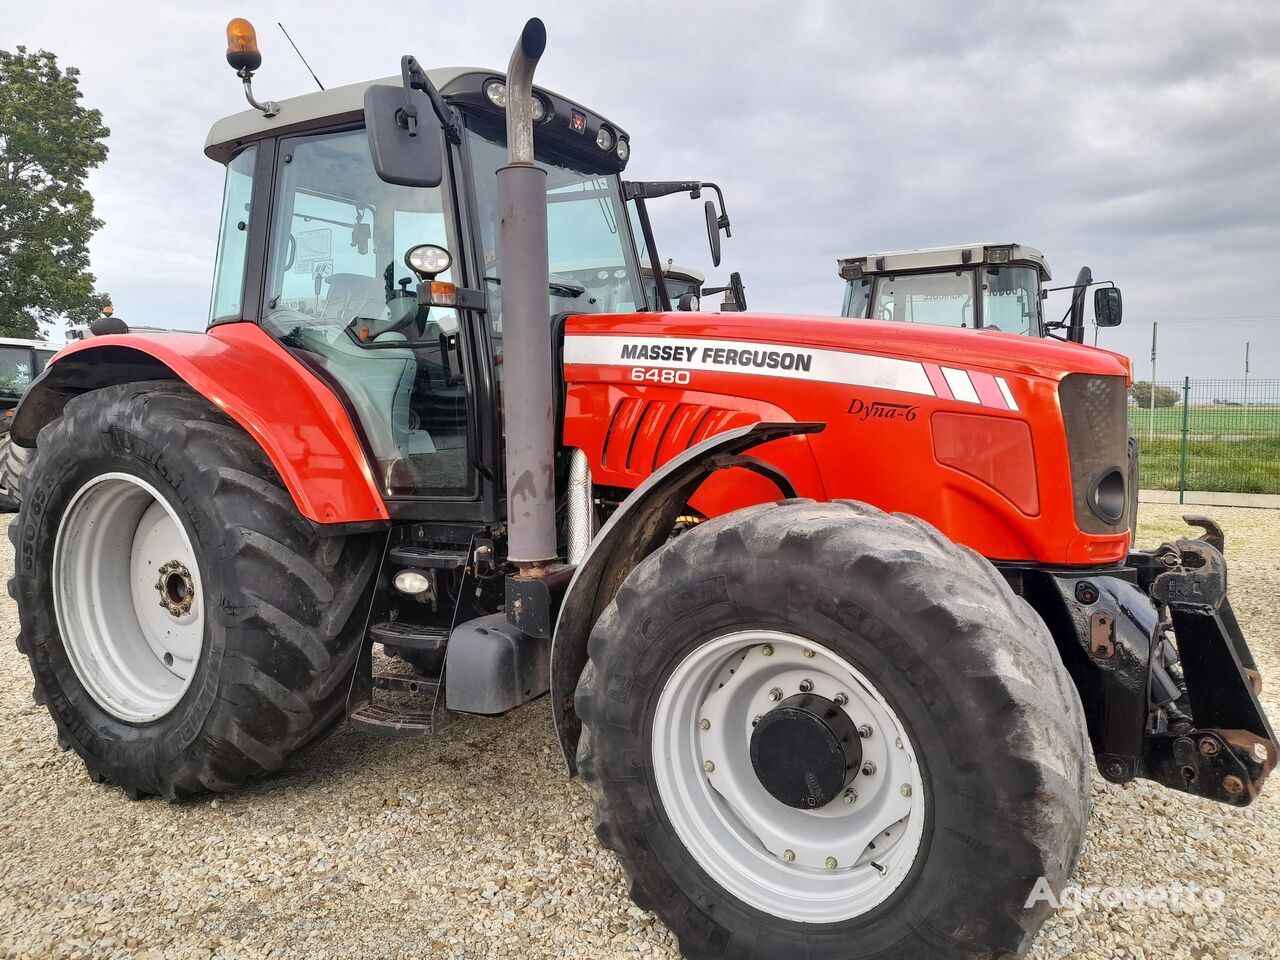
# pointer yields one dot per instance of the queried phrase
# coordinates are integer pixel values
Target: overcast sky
(1141, 138)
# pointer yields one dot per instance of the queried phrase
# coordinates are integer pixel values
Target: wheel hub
(177, 588)
(805, 751)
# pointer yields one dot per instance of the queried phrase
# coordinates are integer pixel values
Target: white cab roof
(932, 258)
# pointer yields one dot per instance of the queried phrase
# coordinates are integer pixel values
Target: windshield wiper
(561, 288)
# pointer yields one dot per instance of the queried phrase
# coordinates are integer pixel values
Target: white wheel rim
(772, 856)
(128, 597)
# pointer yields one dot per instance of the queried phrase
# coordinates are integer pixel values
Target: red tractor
(833, 613)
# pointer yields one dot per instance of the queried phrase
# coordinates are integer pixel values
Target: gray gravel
(478, 846)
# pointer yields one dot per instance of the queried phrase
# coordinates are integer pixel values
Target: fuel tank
(1013, 446)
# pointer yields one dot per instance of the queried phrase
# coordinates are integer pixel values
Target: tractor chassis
(1169, 687)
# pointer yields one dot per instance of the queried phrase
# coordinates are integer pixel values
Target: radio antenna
(299, 53)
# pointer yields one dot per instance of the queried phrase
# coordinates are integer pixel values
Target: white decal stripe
(1006, 393)
(824, 366)
(960, 384)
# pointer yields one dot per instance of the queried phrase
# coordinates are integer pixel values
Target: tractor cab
(684, 285)
(978, 286)
(316, 248)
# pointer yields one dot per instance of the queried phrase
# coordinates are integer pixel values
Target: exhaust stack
(526, 320)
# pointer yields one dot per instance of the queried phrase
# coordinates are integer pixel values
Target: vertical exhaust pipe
(526, 321)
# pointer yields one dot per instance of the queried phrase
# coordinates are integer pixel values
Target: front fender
(638, 527)
(296, 419)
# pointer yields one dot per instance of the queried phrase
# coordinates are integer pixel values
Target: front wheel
(820, 730)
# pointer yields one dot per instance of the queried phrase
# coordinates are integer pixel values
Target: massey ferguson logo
(881, 410)
(763, 359)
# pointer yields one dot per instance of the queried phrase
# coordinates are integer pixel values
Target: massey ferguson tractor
(833, 615)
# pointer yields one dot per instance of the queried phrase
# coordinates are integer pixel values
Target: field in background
(1222, 435)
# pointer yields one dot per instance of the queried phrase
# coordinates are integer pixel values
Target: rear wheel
(187, 628)
(820, 730)
(13, 463)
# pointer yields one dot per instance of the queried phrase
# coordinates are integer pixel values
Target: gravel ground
(477, 846)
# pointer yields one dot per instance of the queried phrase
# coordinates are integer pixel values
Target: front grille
(1096, 417)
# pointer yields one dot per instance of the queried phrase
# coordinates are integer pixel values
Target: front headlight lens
(624, 150)
(604, 139)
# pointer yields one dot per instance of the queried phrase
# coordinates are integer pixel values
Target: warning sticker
(313, 246)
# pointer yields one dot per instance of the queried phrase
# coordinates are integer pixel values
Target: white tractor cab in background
(983, 286)
(21, 361)
(684, 284)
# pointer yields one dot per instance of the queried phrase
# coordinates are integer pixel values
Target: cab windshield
(592, 257)
(1005, 298)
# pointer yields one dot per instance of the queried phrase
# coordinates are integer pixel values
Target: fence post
(1182, 470)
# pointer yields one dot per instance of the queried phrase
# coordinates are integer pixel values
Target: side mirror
(713, 230)
(688, 302)
(407, 145)
(738, 291)
(1107, 307)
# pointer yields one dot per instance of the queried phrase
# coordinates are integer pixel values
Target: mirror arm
(415, 78)
(723, 221)
(655, 265)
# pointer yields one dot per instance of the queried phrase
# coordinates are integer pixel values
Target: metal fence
(1221, 435)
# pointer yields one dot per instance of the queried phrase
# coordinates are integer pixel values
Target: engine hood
(989, 350)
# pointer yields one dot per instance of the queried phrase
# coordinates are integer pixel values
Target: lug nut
(767, 650)
(806, 686)
(851, 795)
(905, 790)
(775, 694)
(704, 724)
(898, 743)
(865, 731)
(840, 699)
(868, 768)
(757, 719)
(708, 766)
(831, 863)
(788, 855)
(808, 653)
(1260, 752)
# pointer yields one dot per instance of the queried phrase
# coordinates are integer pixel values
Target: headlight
(427, 260)
(604, 139)
(624, 150)
(539, 109)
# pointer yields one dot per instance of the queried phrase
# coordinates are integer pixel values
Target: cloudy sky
(1141, 138)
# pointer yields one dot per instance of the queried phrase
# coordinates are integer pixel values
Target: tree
(49, 142)
(1141, 393)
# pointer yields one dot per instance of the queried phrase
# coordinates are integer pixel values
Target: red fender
(291, 413)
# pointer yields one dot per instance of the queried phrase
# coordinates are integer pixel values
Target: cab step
(401, 705)
(424, 558)
(410, 636)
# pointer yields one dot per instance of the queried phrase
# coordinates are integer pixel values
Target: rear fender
(638, 527)
(296, 419)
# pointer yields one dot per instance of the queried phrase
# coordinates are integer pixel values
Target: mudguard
(637, 528)
(288, 410)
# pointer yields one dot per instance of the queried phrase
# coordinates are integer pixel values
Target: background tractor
(21, 361)
(977, 286)
(832, 614)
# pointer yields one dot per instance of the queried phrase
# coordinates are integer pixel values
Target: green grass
(1206, 421)
(1250, 465)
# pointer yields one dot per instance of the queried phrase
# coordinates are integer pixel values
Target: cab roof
(674, 270)
(343, 104)
(934, 258)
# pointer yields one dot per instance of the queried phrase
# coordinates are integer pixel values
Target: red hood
(991, 350)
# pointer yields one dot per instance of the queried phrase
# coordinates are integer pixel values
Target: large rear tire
(187, 627)
(848, 618)
(13, 464)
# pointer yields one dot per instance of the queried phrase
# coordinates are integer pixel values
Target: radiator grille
(1096, 417)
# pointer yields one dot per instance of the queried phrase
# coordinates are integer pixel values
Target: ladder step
(388, 720)
(410, 636)
(422, 557)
